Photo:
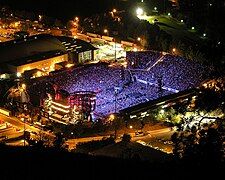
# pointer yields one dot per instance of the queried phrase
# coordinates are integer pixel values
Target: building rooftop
(75, 45)
(38, 47)
(32, 46)
(35, 58)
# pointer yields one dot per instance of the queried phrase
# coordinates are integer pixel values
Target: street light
(18, 74)
(155, 8)
(139, 39)
(105, 31)
(76, 18)
(131, 127)
(139, 11)
(40, 17)
(174, 50)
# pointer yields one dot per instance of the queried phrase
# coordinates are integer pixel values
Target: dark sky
(64, 9)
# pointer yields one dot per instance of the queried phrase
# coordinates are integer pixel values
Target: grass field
(175, 28)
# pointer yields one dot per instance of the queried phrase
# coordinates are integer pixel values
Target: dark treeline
(65, 9)
(30, 163)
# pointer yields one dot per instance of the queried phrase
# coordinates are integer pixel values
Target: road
(157, 139)
(18, 124)
(153, 138)
(10, 133)
(152, 135)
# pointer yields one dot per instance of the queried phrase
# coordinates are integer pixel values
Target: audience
(114, 93)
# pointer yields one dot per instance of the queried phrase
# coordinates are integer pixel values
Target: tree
(87, 147)
(198, 142)
(59, 141)
(43, 140)
(117, 124)
(126, 138)
(58, 23)
(202, 144)
(212, 96)
(164, 45)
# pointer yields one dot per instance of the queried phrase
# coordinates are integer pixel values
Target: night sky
(63, 9)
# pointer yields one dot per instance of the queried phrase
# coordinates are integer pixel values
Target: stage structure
(70, 108)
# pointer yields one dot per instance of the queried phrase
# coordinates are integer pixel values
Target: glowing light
(76, 19)
(61, 105)
(57, 120)
(23, 86)
(59, 109)
(105, 30)
(131, 127)
(18, 74)
(155, 8)
(52, 68)
(40, 17)
(139, 11)
(182, 20)
(112, 116)
(139, 39)
(204, 34)
(169, 14)
(114, 11)
(174, 49)
(3, 76)
(135, 49)
(17, 24)
(69, 65)
(39, 74)
(192, 27)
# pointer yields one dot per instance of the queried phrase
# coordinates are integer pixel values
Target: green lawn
(174, 28)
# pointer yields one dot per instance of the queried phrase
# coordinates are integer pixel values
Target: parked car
(139, 133)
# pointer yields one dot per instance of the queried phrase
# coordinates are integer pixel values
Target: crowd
(142, 59)
(176, 72)
(111, 90)
(114, 93)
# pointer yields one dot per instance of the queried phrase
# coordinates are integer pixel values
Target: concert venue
(96, 90)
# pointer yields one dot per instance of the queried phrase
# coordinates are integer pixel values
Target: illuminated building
(42, 53)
